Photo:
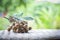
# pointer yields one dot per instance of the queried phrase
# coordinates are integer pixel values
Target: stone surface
(32, 35)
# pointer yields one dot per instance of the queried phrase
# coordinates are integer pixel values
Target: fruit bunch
(18, 26)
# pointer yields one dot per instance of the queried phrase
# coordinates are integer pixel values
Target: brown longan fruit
(11, 19)
(9, 28)
(30, 28)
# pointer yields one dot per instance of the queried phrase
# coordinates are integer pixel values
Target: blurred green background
(46, 15)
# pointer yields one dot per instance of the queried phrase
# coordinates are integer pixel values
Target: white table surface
(33, 34)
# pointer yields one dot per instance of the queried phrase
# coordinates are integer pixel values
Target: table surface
(33, 34)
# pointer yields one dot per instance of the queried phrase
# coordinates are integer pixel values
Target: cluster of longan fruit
(19, 26)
